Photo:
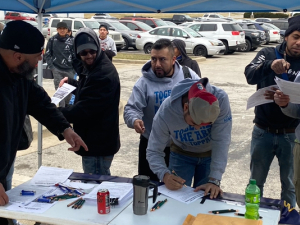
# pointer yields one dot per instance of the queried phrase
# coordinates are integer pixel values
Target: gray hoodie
(169, 122)
(148, 93)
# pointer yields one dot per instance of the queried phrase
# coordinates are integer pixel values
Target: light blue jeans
(188, 167)
(97, 164)
(264, 146)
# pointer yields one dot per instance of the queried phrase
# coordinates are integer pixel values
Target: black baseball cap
(103, 25)
(85, 41)
(22, 37)
(62, 25)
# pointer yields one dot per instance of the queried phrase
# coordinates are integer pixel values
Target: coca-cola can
(103, 202)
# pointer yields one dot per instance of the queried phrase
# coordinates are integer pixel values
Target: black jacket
(259, 72)
(18, 97)
(95, 113)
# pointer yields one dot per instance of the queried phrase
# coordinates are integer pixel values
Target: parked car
(47, 17)
(281, 32)
(195, 43)
(18, 16)
(103, 16)
(209, 16)
(186, 24)
(282, 24)
(178, 19)
(258, 26)
(128, 35)
(152, 22)
(170, 23)
(76, 24)
(274, 34)
(230, 33)
(262, 20)
(136, 25)
(254, 38)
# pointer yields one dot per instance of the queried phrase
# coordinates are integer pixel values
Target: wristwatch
(215, 182)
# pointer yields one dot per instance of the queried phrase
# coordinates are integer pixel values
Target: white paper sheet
(33, 207)
(258, 97)
(15, 197)
(48, 176)
(78, 185)
(116, 190)
(62, 92)
(289, 88)
(185, 194)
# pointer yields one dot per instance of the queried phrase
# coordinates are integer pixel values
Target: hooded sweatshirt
(169, 122)
(148, 93)
(95, 113)
(59, 52)
(184, 59)
(259, 72)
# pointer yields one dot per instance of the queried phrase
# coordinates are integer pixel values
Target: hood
(281, 48)
(93, 34)
(149, 74)
(181, 47)
(184, 86)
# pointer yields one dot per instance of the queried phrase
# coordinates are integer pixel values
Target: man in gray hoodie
(159, 76)
(197, 118)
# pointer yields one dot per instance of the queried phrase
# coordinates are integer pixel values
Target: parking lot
(224, 71)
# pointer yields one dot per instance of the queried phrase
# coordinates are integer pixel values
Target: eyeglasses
(84, 53)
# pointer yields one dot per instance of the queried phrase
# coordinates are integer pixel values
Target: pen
(161, 204)
(72, 203)
(241, 214)
(155, 205)
(223, 211)
(23, 192)
(174, 173)
(83, 201)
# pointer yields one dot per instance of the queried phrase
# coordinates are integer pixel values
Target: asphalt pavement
(224, 71)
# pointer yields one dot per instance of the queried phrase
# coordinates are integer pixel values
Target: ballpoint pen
(174, 173)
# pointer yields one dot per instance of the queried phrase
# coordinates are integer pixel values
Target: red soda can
(103, 202)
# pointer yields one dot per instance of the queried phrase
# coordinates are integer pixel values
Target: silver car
(195, 43)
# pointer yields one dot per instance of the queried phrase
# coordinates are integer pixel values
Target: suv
(128, 35)
(262, 20)
(230, 33)
(76, 24)
(136, 25)
(103, 16)
(18, 16)
(152, 22)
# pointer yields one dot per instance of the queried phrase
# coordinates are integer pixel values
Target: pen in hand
(175, 174)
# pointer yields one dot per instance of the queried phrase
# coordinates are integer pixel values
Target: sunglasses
(84, 53)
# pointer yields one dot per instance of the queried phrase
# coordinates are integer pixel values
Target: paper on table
(48, 176)
(34, 207)
(116, 190)
(184, 194)
(62, 92)
(78, 185)
(289, 88)
(258, 97)
(15, 197)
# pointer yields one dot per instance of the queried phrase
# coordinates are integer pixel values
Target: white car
(274, 33)
(195, 43)
(275, 28)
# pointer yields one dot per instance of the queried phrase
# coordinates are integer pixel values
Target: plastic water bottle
(252, 200)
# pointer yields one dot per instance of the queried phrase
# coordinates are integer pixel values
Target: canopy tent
(139, 6)
(146, 6)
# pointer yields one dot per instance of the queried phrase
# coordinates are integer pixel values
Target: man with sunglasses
(197, 119)
(95, 113)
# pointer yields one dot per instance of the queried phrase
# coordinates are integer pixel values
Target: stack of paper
(123, 191)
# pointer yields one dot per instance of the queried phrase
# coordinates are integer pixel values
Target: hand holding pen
(173, 182)
(280, 66)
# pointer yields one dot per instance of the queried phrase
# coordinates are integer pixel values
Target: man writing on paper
(95, 112)
(20, 96)
(274, 132)
(197, 118)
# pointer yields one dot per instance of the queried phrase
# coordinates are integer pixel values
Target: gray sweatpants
(58, 76)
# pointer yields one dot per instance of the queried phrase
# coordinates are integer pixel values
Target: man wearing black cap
(95, 113)
(59, 55)
(274, 132)
(108, 45)
(20, 96)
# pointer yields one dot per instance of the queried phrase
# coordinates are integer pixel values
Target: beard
(162, 73)
(25, 70)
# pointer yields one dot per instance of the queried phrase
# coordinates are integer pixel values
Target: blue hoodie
(169, 123)
(148, 93)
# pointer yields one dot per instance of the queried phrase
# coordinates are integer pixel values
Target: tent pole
(40, 82)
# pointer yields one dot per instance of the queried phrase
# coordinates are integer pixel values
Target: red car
(18, 16)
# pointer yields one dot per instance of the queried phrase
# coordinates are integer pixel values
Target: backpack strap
(186, 72)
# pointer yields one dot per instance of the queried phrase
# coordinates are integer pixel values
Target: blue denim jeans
(188, 167)
(97, 164)
(264, 146)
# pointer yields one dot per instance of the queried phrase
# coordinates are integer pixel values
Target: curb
(198, 59)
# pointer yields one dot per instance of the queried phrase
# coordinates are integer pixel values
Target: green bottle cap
(252, 181)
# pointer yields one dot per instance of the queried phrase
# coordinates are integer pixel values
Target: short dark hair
(163, 43)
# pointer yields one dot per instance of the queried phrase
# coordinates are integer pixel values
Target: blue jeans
(264, 146)
(97, 164)
(188, 167)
